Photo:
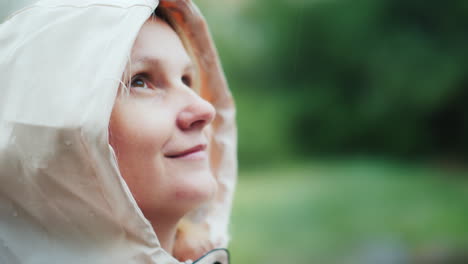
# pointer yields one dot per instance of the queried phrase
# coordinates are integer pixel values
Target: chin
(196, 189)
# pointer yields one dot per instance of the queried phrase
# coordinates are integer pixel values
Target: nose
(196, 115)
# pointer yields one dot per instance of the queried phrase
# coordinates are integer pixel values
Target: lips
(187, 152)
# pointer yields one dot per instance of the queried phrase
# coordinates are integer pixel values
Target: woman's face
(159, 130)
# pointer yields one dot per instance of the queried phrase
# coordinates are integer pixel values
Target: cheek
(137, 133)
(139, 128)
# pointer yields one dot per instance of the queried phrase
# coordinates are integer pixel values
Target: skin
(155, 127)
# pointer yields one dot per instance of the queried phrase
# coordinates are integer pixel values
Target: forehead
(158, 41)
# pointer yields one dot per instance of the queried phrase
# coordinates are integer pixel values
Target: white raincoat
(62, 198)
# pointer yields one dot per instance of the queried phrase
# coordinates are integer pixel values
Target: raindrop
(15, 214)
(68, 143)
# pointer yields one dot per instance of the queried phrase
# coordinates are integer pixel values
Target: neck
(166, 232)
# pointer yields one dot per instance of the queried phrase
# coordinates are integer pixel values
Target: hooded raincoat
(62, 198)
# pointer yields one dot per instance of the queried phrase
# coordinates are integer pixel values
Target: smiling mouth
(197, 151)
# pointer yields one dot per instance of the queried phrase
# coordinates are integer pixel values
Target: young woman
(117, 135)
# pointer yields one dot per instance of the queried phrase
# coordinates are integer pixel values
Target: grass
(325, 212)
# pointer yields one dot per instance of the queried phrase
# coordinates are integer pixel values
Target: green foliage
(362, 76)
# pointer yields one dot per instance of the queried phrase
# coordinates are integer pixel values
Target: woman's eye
(139, 82)
(187, 80)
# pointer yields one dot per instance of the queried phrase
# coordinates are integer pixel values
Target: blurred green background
(353, 124)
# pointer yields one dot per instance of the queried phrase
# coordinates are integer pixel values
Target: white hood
(62, 198)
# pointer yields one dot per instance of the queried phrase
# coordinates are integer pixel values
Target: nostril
(195, 118)
(197, 114)
(197, 124)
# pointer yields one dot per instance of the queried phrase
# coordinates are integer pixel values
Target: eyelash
(139, 77)
(186, 80)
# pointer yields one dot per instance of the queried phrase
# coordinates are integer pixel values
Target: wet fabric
(62, 198)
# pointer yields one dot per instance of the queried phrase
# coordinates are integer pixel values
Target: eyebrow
(151, 61)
